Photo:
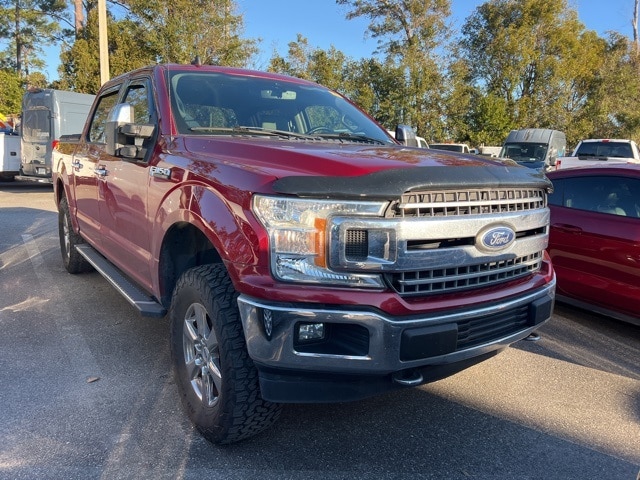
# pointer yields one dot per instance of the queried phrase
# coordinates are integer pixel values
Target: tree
(29, 24)
(409, 33)
(128, 49)
(536, 56)
(11, 92)
(327, 67)
(171, 31)
(613, 109)
(181, 29)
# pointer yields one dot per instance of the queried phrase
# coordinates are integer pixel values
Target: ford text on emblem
(496, 238)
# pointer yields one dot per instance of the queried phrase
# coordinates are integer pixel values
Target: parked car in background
(422, 143)
(451, 147)
(594, 239)
(47, 115)
(597, 151)
(489, 151)
(537, 148)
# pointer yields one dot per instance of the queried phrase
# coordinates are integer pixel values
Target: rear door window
(604, 194)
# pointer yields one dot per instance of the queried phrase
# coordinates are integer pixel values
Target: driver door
(124, 214)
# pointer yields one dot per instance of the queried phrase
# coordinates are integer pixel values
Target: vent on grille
(447, 280)
(469, 202)
(356, 245)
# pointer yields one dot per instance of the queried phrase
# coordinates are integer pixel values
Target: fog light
(308, 332)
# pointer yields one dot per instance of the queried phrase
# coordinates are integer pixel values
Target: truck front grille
(447, 280)
(469, 202)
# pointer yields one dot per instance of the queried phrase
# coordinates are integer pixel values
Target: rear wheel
(217, 379)
(73, 261)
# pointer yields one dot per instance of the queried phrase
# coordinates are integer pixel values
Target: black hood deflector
(390, 184)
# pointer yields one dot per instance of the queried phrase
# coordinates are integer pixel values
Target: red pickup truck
(301, 253)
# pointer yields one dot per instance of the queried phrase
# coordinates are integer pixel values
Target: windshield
(525, 152)
(213, 103)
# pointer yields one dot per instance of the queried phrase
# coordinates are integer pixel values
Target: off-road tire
(73, 261)
(206, 330)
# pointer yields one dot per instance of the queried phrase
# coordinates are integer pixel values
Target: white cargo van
(537, 148)
(47, 115)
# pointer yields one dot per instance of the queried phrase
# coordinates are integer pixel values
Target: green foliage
(536, 56)
(28, 25)
(409, 33)
(80, 66)
(11, 92)
(173, 31)
(178, 30)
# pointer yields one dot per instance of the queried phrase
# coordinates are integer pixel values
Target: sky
(323, 23)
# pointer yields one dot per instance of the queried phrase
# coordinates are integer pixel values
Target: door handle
(76, 164)
(101, 171)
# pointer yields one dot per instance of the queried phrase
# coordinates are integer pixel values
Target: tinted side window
(137, 96)
(99, 120)
(603, 194)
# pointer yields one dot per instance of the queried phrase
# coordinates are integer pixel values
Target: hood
(283, 158)
(326, 169)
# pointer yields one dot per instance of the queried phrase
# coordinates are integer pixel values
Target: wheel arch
(184, 246)
(197, 225)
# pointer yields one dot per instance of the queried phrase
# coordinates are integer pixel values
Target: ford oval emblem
(496, 238)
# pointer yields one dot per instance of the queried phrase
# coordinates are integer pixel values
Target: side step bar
(145, 304)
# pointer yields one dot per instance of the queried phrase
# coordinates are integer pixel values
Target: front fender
(230, 227)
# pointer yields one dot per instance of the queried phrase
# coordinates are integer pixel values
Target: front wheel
(217, 379)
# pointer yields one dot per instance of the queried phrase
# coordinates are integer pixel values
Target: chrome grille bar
(469, 202)
(447, 280)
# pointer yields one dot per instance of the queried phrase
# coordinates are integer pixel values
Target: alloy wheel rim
(202, 355)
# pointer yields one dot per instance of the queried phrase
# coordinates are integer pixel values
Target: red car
(594, 240)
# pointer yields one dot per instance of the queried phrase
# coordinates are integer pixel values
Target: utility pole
(104, 44)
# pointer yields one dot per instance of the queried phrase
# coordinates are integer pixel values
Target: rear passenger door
(86, 180)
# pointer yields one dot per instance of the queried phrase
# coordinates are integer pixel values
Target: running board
(145, 304)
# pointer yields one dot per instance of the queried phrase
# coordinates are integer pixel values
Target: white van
(47, 115)
(537, 148)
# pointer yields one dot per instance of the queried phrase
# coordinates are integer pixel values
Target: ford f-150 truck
(301, 253)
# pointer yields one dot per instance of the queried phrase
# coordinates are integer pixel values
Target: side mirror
(406, 136)
(123, 137)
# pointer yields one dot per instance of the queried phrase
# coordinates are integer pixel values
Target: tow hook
(408, 378)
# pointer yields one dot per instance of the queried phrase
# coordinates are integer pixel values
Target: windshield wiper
(242, 130)
(351, 136)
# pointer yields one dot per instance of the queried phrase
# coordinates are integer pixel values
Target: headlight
(298, 234)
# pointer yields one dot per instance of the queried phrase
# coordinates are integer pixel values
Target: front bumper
(361, 344)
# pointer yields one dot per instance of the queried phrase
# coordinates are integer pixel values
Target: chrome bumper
(382, 344)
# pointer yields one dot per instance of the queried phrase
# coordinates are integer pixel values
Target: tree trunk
(79, 16)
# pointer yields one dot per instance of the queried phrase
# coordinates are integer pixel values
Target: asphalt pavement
(86, 391)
